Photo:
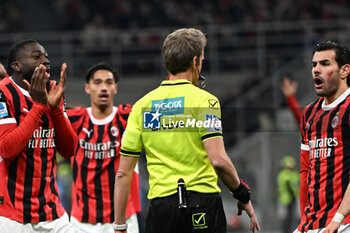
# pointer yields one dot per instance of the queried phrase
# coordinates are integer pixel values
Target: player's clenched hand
(250, 211)
(37, 85)
(55, 93)
(332, 227)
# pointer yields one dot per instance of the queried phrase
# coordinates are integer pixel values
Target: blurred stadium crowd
(118, 14)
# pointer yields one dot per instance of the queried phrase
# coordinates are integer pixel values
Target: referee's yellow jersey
(171, 123)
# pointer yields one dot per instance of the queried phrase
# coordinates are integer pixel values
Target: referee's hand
(250, 211)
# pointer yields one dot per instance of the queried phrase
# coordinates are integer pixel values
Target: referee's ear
(195, 61)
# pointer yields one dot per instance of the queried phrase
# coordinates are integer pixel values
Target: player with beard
(325, 145)
(33, 128)
(99, 129)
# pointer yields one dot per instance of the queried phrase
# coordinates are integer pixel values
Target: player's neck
(101, 112)
(19, 81)
(340, 91)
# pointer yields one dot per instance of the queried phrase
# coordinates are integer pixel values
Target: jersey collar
(335, 102)
(103, 121)
(175, 82)
(24, 92)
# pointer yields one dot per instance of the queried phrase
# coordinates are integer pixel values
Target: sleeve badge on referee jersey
(213, 103)
(3, 110)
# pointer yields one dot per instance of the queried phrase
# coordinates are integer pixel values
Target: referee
(179, 126)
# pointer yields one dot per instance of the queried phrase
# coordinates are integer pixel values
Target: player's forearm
(304, 171)
(66, 139)
(295, 107)
(344, 207)
(13, 141)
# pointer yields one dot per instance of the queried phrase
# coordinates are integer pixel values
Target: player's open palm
(37, 85)
(55, 92)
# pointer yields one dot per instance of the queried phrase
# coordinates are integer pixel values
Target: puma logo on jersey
(87, 131)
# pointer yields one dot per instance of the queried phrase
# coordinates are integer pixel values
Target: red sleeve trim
(304, 171)
(294, 107)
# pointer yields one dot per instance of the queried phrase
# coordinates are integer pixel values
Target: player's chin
(103, 104)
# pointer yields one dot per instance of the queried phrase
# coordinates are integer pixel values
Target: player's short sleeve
(210, 114)
(131, 140)
(6, 113)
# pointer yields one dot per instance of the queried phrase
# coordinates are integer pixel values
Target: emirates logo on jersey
(335, 121)
(114, 131)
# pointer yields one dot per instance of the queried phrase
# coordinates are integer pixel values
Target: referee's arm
(227, 173)
(122, 187)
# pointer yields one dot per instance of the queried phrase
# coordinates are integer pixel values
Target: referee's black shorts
(204, 213)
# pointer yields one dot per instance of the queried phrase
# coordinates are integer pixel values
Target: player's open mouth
(318, 82)
(104, 96)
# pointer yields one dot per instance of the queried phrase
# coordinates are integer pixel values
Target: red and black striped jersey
(28, 139)
(325, 133)
(96, 163)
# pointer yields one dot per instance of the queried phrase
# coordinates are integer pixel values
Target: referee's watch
(121, 227)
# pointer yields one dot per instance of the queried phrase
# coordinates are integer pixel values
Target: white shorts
(60, 225)
(80, 227)
(344, 228)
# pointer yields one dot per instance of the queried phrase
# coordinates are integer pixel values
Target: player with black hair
(325, 145)
(99, 129)
(33, 128)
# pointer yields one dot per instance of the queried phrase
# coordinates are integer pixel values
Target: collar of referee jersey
(175, 82)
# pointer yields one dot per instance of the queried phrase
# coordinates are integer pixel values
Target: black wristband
(242, 193)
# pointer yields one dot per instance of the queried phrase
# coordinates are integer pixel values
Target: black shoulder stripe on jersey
(74, 118)
(97, 181)
(16, 102)
(210, 135)
(310, 108)
(125, 116)
(120, 127)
